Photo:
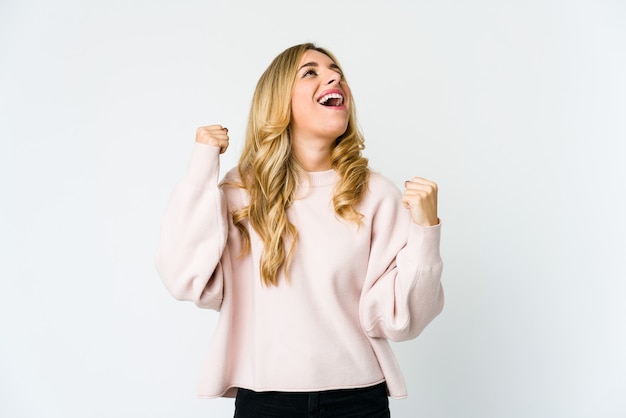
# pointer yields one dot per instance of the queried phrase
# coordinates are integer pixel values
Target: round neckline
(322, 178)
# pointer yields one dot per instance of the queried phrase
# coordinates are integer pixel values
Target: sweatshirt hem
(233, 387)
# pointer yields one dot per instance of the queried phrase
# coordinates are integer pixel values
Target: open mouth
(331, 99)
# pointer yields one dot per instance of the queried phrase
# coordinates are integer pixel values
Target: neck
(313, 155)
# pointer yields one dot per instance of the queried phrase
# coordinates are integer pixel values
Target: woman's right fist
(215, 135)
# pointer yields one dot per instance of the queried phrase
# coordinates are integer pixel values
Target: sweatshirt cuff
(204, 166)
(425, 240)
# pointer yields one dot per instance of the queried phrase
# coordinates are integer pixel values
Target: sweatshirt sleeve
(193, 233)
(403, 291)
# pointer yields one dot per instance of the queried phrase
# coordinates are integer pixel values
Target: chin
(338, 129)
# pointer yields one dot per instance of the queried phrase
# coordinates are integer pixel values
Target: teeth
(327, 97)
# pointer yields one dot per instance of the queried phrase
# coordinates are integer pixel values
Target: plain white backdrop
(516, 108)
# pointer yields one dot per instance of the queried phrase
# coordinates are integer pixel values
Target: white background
(516, 108)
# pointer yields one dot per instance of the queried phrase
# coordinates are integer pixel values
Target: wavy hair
(270, 172)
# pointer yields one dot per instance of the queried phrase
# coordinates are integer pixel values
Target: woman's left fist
(420, 198)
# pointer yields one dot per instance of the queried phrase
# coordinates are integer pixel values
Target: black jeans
(369, 402)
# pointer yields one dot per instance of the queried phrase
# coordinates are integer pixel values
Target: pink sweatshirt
(351, 289)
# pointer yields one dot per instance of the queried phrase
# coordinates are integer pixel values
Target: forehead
(313, 56)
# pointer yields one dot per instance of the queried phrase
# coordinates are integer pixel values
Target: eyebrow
(315, 64)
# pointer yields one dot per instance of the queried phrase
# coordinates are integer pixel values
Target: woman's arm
(194, 231)
(403, 291)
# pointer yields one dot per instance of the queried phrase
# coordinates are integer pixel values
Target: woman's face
(320, 101)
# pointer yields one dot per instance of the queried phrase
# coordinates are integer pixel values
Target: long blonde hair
(270, 172)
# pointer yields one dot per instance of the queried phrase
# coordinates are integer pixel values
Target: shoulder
(381, 195)
(382, 201)
(232, 188)
(231, 177)
(380, 187)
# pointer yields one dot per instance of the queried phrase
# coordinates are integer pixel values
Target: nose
(333, 78)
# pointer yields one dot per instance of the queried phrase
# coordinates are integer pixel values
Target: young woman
(313, 261)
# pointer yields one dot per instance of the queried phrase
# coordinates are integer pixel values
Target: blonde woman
(313, 261)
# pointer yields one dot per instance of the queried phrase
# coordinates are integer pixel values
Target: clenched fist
(420, 198)
(215, 135)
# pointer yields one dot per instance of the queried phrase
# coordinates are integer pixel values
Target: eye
(309, 72)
